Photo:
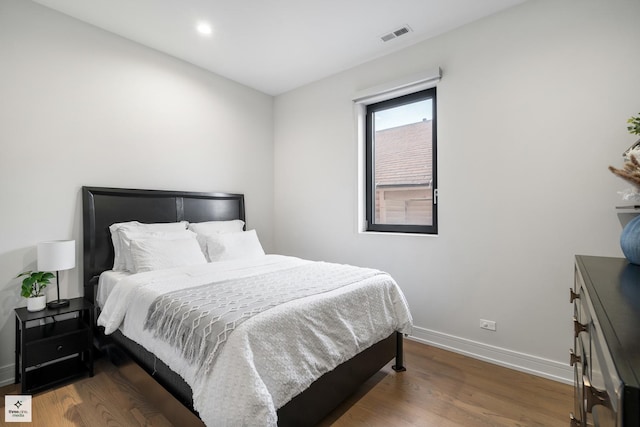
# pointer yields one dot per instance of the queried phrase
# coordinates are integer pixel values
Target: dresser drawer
(56, 347)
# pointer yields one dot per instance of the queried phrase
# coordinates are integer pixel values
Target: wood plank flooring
(439, 388)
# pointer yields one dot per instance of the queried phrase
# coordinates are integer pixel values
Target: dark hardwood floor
(439, 388)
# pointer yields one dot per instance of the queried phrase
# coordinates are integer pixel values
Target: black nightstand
(40, 348)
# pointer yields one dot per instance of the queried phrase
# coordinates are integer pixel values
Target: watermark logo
(17, 409)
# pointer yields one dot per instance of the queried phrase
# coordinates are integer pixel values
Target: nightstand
(53, 352)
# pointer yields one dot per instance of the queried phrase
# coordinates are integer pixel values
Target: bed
(105, 206)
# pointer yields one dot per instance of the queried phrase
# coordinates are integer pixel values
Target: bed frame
(105, 206)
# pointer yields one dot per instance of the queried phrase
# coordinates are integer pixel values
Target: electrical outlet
(489, 325)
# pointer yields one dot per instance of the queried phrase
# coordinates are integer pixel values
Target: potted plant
(32, 288)
(634, 129)
(631, 170)
(630, 237)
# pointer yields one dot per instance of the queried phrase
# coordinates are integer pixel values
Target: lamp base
(58, 303)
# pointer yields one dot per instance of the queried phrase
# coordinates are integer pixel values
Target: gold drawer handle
(578, 327)
(573, 296)
(593, 396)
(573, 358)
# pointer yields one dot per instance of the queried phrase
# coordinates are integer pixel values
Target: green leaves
(634, 125)
(35, 282)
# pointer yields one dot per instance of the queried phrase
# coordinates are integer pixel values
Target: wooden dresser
(606, 352)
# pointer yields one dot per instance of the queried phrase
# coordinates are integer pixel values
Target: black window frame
(371, 225)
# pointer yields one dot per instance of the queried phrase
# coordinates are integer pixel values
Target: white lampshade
(56, 255)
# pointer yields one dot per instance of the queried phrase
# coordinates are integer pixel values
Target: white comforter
(274, 355)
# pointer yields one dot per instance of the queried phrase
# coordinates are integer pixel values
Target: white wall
(532, 109)
(80, 106)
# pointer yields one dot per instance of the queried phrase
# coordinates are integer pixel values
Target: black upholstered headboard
(102, 207)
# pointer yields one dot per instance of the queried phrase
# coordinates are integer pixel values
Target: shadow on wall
(10, 292)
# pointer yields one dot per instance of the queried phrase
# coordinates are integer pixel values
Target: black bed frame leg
(399, 366)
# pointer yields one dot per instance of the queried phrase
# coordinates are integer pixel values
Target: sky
(404, 115)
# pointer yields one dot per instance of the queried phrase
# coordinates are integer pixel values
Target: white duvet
(274, 355)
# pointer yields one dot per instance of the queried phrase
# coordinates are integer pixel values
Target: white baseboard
(550, 369)
(6, 375)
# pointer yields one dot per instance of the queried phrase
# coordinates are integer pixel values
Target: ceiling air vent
(396, 33)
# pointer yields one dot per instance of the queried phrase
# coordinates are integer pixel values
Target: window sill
(392, 233)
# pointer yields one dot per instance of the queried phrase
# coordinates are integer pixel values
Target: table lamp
(55, 256)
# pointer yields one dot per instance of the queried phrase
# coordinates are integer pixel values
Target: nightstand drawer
(56, 347)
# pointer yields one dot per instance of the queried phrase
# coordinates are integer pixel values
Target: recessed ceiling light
(204, 28)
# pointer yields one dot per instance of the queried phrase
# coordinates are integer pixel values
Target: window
(401, 183)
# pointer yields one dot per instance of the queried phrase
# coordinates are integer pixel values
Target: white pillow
(126, 236)
(228, 246)
(208, 228)
(157, 254)
(212, 227)
(118, 256)
(119, 261)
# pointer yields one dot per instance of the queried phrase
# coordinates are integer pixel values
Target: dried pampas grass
(630, 171)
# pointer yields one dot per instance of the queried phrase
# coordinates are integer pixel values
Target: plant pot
(36, 303)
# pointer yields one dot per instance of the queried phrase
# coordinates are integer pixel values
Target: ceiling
(277, 45)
